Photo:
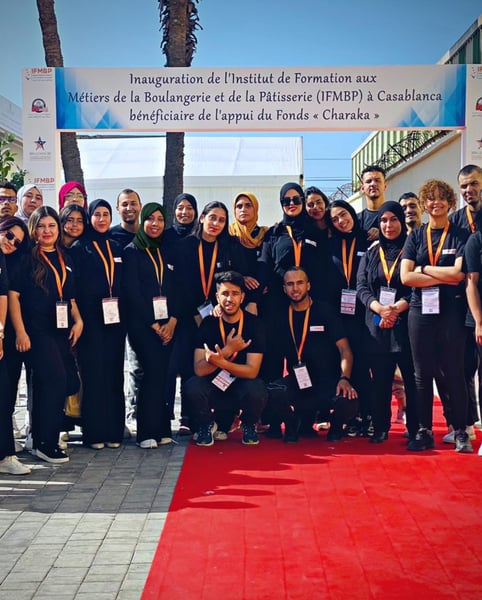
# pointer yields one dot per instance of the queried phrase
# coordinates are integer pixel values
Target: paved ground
(87, 529)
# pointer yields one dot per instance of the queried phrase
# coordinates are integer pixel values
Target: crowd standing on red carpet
(286, 330)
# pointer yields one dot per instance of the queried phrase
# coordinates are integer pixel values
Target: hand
(235, 343)
(22, 343)
(478, 333)
(373, 234)
(345, 389)
(166, 331)
(1, 348)
(76, 332)
(217, 311)
(251, 283)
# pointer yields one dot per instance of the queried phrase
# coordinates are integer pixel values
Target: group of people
(278, 329)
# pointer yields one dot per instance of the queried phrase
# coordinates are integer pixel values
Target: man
(8, 200)
(412, 210)
(373, 185)
(470, 184)
(319, 362)
(129, 208)
(227, 360)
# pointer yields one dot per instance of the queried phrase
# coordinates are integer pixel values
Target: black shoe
(379, 437)
(462, 442)
(274, 431)
(335, 434)
(250, 437)
(51, 455)
(422, 441)
(205, 434)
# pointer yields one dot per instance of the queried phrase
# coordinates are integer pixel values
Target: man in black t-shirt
(319, 362)
(227, 359)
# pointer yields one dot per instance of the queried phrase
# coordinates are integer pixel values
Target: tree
(7, 162)
(179, 21)
(53, 58)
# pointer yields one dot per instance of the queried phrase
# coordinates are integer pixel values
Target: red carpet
(320, 520)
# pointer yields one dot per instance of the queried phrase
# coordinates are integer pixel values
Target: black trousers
(438, 345)
(7, 443)
(208, 403)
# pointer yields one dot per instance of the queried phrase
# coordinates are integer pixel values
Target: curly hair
(445, 190)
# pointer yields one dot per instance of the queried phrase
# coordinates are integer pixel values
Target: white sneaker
(65, 437)
(97, 446)
(166, 440)
(449, 438)
(220, 436)
(18, 447)
(148, 444)
(12, 466)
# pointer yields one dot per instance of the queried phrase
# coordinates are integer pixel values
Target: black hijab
(91, 233)
(179, 228)
(392, 247)
(301, 223)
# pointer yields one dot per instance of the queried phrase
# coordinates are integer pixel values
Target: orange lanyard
(434, 261)
(296, 246)
(207, 284)
(388, 273)
(223, 333)
(299, 349)
(347, 266)
(159, 269)
(60, 284)
(470, 219)
(109, 268)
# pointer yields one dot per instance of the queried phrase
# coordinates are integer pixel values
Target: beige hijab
(243, 232)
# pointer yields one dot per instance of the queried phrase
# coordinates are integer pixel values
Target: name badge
(302, 376)
(159, 304)
(317, 328)
(430, 301)
(110, 310)
(348, 302)
(205, 309)
(387, 295)
(223, 380)
(62, 314)
(311, 242)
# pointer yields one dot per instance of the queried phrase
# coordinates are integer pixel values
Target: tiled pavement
(87, 529)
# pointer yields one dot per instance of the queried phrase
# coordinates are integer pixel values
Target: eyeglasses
(71, 196)
(11, 238)
(296, 200)
(11, 199)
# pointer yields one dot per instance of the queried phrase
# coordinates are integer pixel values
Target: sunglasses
(296, 200)
(11, 238)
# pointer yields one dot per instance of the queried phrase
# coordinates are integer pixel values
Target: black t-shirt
(3, 276)
(459, 218)
(209, 333)
(320, 353)
(416, 249)
(121, 235)
(368, 219)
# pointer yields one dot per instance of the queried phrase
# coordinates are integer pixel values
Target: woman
(316, 206)
(432, 265)
(11, 236)
(72, 192)
(185, 219)
(29, 197)
(386, 302)
(73, 220)
(250, 238)
(151, 317)
(347, 245)
(47, 325)
(98, 262)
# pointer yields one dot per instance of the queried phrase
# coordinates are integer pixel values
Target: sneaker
(65, 437)
(250, 437)
(422, 441)
(449, 437)
(184, 430)
(164, 441)
(12, 466)
(62, 445)
(471, 431)
(113, 445)
(220, 436)
(400, 416)
(148, 444)
(205, 436)
(52, 455)
(462, 442)
(97, 446)
(322, 426)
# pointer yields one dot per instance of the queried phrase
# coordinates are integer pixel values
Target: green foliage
(7, 162)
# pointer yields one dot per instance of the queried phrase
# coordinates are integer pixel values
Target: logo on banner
(40, 144)
(478, 104)
(39, 106)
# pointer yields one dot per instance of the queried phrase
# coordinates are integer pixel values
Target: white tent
(216, 168)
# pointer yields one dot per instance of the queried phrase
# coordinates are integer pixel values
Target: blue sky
(122, 33)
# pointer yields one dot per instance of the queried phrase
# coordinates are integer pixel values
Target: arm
(3, 316)
(23, 341)
(413, 276)
(249, 370)
(344, 387)
(475, 305)
(78, 326)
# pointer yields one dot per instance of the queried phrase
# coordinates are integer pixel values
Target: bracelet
(345, 378)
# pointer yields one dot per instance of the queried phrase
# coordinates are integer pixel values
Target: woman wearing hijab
(72, 192)
(386, 302)
(47, 325)
(151, 317)
(29, 197)
(347, 245)
(250, 236)
(98, 261)
(185, 219)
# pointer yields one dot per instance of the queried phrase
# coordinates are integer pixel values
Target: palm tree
(179, 21)
(53, 58)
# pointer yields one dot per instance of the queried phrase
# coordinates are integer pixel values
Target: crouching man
(227, 360)
(319, 362)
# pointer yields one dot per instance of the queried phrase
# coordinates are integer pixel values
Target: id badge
(62, 314)
(110, 310)
(205, 309)
(430, 301)
(387, 296)
(223, 380)
(302, 376)
(159, 304)
(348, 302)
